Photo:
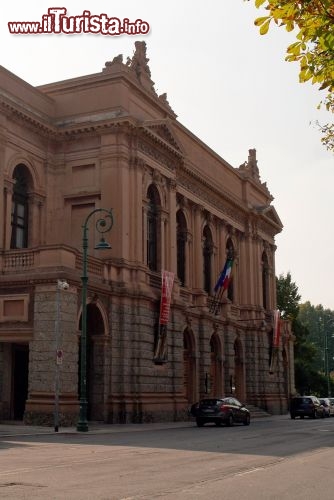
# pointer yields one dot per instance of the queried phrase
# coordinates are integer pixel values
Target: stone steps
(257, 412)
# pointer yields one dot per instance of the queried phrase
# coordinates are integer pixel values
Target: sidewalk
(13, 429)
(19, 429)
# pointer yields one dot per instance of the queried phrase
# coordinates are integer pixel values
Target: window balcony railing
(18, 260)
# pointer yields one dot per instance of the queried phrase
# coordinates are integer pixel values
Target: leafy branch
(313, 48)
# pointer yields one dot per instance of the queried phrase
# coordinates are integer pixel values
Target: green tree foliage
(287, 296)
(307, 353)
(320, 323)
(313, 49)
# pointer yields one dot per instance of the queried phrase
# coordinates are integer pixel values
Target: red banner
(160, 350)
(277, 328)
(166, 296)
(276, 341)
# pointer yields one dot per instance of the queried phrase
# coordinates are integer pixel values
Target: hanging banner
(160, 351)
(277, 328)
(276, 341)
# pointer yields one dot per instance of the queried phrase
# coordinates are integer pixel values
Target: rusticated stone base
(47, 419)
(148, 409)
(40, 409)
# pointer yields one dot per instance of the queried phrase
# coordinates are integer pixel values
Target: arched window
(207, 256)
(230, 255)
(181, 239)
(19, 222)
(153, 229)
(265, 282)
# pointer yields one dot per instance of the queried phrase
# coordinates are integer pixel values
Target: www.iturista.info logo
(57, 22)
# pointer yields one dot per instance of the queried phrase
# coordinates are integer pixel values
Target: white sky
(228, 85)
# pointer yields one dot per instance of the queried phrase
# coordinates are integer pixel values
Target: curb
(14, 430)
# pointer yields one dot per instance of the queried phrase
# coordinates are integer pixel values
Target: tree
(307, 353)
(320, 323)
(287, 297)
(313, 48)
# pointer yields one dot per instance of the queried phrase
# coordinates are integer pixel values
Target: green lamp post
(103, 225)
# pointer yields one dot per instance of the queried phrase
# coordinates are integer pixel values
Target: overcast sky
(231, 87)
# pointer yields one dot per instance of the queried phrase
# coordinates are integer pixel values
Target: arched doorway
(189, 366)
(239, 383)
(97, 362)
(216, 384)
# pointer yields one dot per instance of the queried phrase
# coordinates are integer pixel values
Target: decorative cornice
(149, 150)
(209, 193)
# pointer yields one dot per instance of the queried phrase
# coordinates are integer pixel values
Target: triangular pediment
(162, 129)
(272, 215)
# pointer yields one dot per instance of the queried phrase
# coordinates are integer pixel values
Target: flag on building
(222, 284)
(224, 277)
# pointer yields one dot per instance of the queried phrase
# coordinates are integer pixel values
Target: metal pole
(82, 425)
(102, 227)
(56, 411)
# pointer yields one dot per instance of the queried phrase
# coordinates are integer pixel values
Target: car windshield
(209, 402)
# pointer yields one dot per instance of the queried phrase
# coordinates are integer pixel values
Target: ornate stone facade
(108, 140)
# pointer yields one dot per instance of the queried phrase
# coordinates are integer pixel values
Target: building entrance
(95, 364)
(20, 372)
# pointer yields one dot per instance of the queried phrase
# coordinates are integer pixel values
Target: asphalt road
(273, 458)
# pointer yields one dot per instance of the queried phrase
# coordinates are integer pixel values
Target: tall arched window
(181, 239)
(265, 277)
(230, 255)
(153, 230)
(207, 256)
(19, 223)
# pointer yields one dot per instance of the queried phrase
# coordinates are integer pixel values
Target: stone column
(55, 315)
(35, 222)
(244, 272)
(7, 230)
(171, 239)
(197, 267)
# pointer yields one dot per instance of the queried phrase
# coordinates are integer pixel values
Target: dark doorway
(95, 363)
(20, 379)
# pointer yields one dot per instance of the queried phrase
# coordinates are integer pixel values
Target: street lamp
(103, 225)
(61, 285)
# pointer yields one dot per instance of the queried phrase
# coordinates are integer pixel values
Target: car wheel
(323, 415)
(247, 420)
(315, 415)
(293, 416)
(230, 420)
(199, 422)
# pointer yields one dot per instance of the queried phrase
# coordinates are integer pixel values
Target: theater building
(108, 141)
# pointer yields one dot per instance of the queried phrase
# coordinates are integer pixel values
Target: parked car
(306, 406)
(220, 411)
(331, 400)
(328, 406)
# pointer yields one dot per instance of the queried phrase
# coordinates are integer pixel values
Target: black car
(220, 411)
(306, 406)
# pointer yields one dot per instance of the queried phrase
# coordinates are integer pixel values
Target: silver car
(328, 406)
(331, 400)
